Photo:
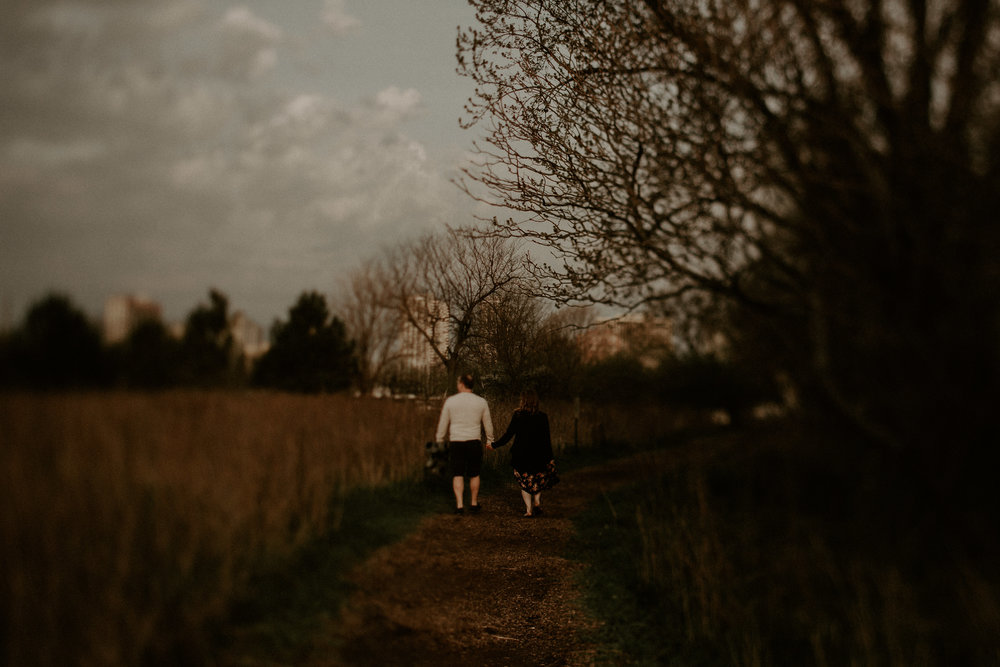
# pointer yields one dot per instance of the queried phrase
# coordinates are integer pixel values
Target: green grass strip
(607, 540)
(276, 618)
(282, 608)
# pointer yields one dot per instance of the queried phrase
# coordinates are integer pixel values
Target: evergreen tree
(309, 353)
(148, 358)
(57, 347)
(207, 345)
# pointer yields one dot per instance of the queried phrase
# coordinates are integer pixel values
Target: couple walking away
(465, 416)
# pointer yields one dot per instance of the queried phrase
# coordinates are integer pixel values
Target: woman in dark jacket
(531, 453)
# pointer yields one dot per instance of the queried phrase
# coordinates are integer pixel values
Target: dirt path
(491, 588)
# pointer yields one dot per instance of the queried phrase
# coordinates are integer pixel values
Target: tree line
(405, 321)
(57, 347)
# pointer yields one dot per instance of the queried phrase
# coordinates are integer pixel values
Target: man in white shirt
(464, 418)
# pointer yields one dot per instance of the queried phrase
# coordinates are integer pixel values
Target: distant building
(124, 312)
(249, 337)
(645, 337)
(416, 350)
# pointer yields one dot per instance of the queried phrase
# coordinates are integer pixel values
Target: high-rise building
(249, 337)
(643, 336)
(123, 312)
(432, 324)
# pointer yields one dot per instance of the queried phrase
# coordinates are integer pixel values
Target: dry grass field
(129, 520)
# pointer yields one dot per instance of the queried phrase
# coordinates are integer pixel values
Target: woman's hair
(468, 380)
(529, 401)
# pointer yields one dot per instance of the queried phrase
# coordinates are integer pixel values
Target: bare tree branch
(830, 164)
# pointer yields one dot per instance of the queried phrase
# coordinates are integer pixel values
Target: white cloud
(336, 17)
(241, 20)
(306, 113)
(199, 110)
(67, 18)
(248, 44)
(398, 103)
(88, 22)
(170, 16)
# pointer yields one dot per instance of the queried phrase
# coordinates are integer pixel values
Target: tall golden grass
(130, 520)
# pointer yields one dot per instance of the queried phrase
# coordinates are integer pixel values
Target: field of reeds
(130, 520)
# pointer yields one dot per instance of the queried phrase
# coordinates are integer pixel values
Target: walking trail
(492, 588)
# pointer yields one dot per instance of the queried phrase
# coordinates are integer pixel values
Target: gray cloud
(337, 18)
(249, 44)
(151, 146)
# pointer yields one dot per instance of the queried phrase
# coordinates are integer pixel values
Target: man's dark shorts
(466, 458)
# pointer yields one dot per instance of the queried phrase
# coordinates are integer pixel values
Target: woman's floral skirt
(536, 482)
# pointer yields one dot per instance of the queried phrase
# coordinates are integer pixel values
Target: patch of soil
(491, 588)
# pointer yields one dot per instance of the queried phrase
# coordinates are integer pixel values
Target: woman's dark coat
(532, 448)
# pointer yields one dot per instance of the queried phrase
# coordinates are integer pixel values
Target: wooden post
(576, 422)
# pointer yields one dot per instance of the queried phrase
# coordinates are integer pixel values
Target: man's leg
(474, 491)
(458, 486)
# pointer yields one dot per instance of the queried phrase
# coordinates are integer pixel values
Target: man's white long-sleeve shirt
(461, 417)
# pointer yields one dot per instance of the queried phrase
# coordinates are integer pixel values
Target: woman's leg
(537, 499)
(527, 502)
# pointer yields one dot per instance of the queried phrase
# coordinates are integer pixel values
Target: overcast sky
(264, 147)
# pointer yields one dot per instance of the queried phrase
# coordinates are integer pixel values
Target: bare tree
(371, 323)
(507, 345)
(440, 284)
(830, 165)
(560, 354)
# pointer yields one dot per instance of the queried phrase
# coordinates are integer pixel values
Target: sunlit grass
(131, 520)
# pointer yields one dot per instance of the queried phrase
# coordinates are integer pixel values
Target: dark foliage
(619, 378)
(828, 169)
(149, 358)
(709, 383)
(309, 353)
(57, 347)
(206, 349)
